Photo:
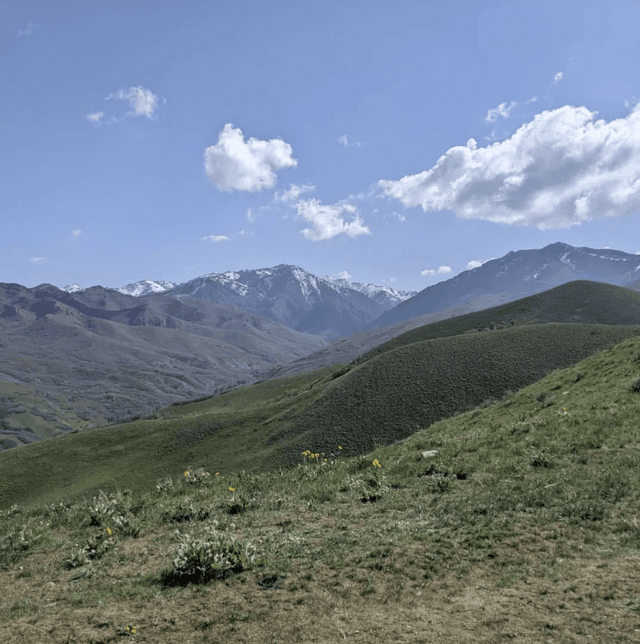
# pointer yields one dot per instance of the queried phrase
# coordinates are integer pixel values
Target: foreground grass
(513, 522)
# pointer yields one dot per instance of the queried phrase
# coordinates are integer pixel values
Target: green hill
(378, 402)
(578, 302)
(511, 522)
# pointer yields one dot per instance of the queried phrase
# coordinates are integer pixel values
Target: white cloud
(442, 270)
(343, 275)
(399, 216)
(96, 117)
(558, 77)
(476, 263)
(390, 280)
(327, 221)
(232, 164)
(38, 260)
(76, 233)
(556, 171)
(143, 101)
(293, 193)
(501, 110)
(250, 216)
(215, 238)
(343, 140)
(27, 31)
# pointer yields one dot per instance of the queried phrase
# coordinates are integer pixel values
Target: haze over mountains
(76, 358)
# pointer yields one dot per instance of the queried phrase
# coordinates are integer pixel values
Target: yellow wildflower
(232, 489)
(109, 532)
(186, 473)
(376, 463)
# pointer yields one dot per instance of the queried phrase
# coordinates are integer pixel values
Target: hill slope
(74, 360)
(380, 401)
(576, 302)
(514, 522)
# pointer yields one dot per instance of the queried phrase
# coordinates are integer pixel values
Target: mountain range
(76, 358)
(516, 275)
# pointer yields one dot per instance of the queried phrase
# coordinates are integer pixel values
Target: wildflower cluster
(197, 477)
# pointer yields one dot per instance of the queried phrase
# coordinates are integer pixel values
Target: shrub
(206, 554)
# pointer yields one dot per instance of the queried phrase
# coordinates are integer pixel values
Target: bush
(206, 554)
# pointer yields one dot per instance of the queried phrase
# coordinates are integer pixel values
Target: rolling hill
(380, 401)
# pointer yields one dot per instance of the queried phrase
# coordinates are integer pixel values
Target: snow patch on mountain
(145, 287)
(72, 288)
(382, 294)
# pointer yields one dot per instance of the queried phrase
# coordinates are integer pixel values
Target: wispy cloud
(96, 117)
(293, 193)
(143, 101)
(215, 238)
(558, 77)
(343, 140)
(233, 164)
(38, 260)
(327, 220)
(441, 270)
(27, 31)
(502, 110)
(558, 170)
(76, 233)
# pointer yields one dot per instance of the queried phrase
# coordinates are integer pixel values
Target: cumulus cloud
(556, 171)
(233, 164)
(558, 77)
(442, 270)
(293, 193)
(96, 117)
(38, 260)
(343, 275)
(327, 221)
(76, 233)
(215, 238)
(143, 101)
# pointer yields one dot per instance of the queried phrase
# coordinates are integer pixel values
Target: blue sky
(395, 142)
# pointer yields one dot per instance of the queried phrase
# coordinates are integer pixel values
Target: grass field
(515, 521)
(267, 425)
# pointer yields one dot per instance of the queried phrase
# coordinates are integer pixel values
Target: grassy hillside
(579, 302)
(386, 397)
(378, 402)
(512, 522)
(575, 302)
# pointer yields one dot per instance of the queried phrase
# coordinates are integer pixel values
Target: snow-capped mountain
(516, 275)
(293, 296)
(382, 294)
(144, 287)
(305, 302)
(72, 288)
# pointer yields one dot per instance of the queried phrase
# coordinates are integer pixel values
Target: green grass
(524, 521)
(378, 402)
